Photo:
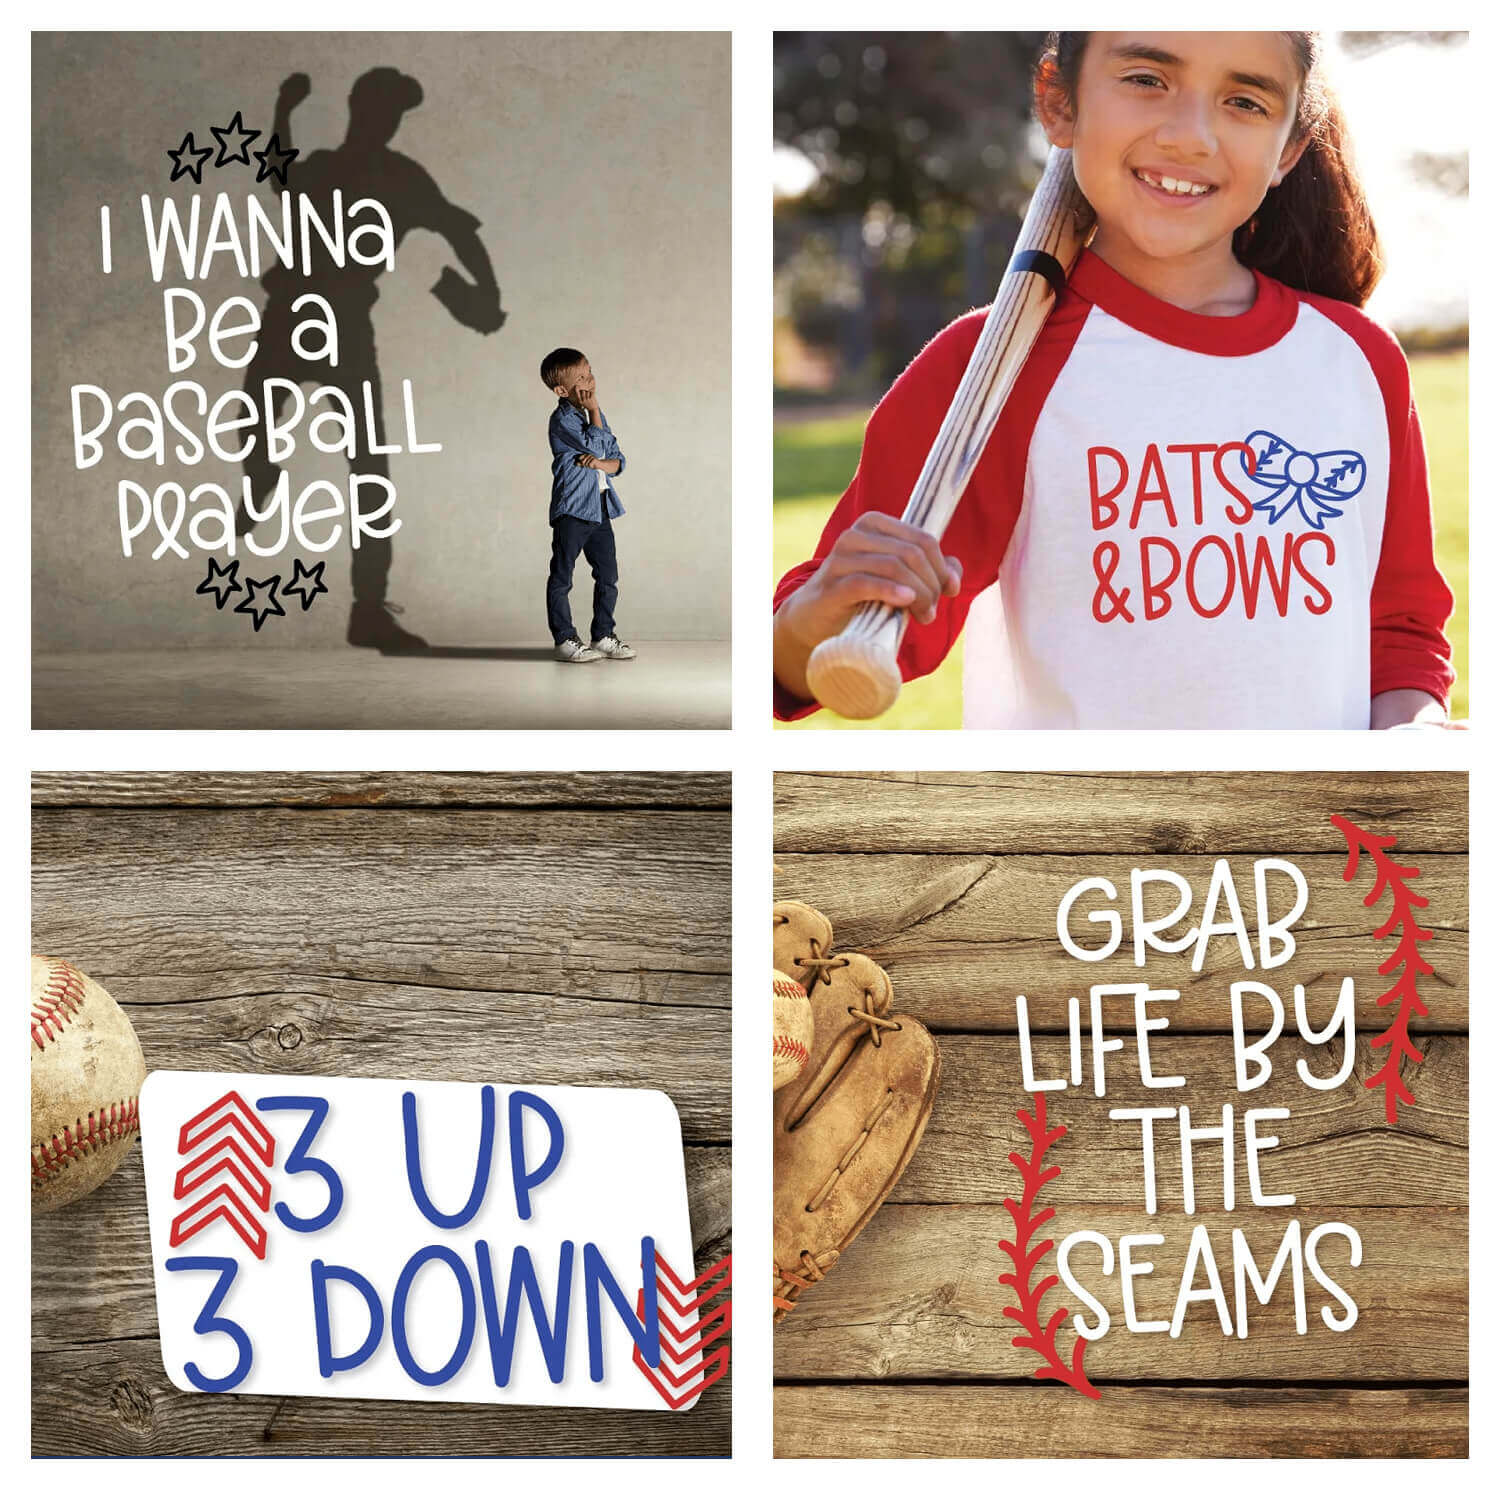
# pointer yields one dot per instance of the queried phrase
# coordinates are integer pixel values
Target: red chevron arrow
(682, 1341)
(682, 1306)
(711, 1370)
(228, 1112)
(224, 1129)
(684, 1331)
(246, 1225)
(226, 1156)
(675, 1384)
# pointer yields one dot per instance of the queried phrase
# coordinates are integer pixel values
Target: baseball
(791, 1029)
(86, 1071)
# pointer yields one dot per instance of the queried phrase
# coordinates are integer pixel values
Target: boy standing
(585, 460)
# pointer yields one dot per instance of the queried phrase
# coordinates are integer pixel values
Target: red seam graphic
(1404, 960)
(105, 1125)
(58, 1003)
(224, 1157)
(687, 1340)
(1043, 1341)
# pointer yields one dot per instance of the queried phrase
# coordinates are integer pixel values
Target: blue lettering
(553, 1335)
(645, 1335)
(328, 1362)
(481, 1166)
(525, 1181)
(404, 1282)
(299, 1161)
(208, 1323)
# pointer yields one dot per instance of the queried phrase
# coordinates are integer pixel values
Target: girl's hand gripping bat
(854, 673)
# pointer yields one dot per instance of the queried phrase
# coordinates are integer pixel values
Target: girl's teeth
(1172, 185)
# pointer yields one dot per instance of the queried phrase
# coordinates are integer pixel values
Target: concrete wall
(599, 167)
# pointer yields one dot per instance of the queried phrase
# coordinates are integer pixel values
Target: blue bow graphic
(1318, 484)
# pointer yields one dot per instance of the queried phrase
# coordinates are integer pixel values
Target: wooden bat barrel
(854, 673)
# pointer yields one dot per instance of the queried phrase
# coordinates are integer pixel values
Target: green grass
(815, 459)
(1441, 385)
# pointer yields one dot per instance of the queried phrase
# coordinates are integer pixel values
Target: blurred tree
(1446, 171)
(920, 144)
(909, 119)
(1364, 43)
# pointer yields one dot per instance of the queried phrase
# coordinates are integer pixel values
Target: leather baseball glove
(847, 1126)
(468, 305)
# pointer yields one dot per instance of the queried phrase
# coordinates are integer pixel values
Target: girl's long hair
(1314, 231)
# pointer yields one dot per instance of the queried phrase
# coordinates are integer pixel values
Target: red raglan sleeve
(897, 438)
(1410, 602)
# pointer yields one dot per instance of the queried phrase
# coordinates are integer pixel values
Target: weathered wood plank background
(952, 882)
(1022, 812)
(547, 929)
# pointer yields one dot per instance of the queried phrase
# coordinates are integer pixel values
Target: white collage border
(752, 750)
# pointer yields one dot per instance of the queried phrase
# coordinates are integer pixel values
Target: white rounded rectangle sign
(365, 1237)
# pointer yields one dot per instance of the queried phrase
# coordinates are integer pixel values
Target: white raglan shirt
(1246, 624)
(1181, 521)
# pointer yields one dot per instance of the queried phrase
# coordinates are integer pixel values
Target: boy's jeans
(596, 540)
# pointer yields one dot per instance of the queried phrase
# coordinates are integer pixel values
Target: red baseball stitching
(1405, 960)
(788, 1046)
(788, 989)
(1024, 1257)
(103, 1127)
(57, 1005)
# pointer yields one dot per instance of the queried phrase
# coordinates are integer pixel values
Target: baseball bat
(855, 673)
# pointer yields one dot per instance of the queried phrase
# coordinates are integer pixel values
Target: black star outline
(271, 606)
(181, 168)
(282, 159)
(307, 583)
(217, 585)
(235, 127)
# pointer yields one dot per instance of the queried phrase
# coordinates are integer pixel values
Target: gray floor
(671, 685)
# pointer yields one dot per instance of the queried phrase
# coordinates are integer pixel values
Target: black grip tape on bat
(1043, 264)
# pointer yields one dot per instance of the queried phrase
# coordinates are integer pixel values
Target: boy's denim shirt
(575, 491)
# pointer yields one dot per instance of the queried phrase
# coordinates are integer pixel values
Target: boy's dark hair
(1314, 233)
(557, 364)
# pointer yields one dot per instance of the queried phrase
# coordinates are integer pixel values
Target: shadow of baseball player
(364, 166)
(494, 653)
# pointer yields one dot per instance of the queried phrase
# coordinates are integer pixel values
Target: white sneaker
(614, 648)
(573, 649)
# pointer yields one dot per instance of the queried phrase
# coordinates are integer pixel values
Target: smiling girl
(1205, 504)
